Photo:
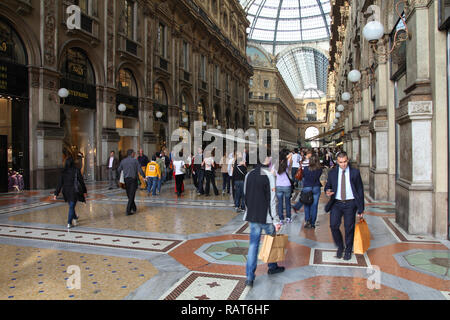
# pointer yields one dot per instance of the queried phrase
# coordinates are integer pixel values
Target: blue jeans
(72, 214)
(311, 210)
(159, 185)
(225, 182)
(152, 182)
(255, 237)
(284, 193)
(239, 196)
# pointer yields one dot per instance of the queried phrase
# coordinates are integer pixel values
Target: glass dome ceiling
(277, 23)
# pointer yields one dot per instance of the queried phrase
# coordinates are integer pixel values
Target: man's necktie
(343, 196)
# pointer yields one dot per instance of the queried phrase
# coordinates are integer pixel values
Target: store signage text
(74, 19)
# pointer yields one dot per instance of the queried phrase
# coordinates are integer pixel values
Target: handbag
(361, 240)
(299, 174)
(273, 248)
(122, 180)
(306, 197)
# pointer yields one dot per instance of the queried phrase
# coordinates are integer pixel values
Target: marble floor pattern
(195, 248)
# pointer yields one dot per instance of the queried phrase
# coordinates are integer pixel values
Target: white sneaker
(69, 226)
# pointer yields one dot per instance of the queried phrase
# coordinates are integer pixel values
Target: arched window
(184, 112)
(11, 46)
(77, 66)
(126, 83)
(312, 132)
(311, 111)
(201, 111)
(160, 105)
(160, 94)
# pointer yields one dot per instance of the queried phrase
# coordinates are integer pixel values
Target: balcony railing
(163, 63)
(86, 23)
(131, 47)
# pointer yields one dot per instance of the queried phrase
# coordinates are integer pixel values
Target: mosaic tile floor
(195, 248)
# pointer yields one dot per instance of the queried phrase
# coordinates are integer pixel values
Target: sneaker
(307, 225)
(249, 283)
(275, 270)
(69, 226)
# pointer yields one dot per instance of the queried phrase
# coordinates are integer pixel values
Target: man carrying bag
(261, 213)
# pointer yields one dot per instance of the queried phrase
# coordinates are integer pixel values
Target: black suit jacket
(355, 182)
(115, 163)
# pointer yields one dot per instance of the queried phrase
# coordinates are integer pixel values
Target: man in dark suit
(112, 166)
(346, 190)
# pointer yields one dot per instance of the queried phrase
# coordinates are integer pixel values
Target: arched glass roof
(275, 23)
(304, 70)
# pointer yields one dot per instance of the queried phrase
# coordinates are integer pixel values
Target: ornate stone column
(414, 187)
(364, 151)
(146, 134)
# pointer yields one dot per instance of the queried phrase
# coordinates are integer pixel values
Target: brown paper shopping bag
(361, 241)
(273, 248)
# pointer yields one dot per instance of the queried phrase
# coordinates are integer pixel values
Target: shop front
(127, 112)
(14, 136)
(78, 111)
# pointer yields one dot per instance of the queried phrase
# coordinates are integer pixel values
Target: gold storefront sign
(3, 46)
(77, 69)
(79, 94)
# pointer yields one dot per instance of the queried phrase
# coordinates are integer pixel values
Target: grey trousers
(112, 178)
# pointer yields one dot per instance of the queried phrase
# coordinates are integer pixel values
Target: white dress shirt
(111, 159)
(348, 186)
(295, 160)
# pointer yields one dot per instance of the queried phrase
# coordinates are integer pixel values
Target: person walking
(225, 176)
(239, 172)
(199, 169)
(152, 175)
(162, 169)
(295, 166)
(143, 161)
(283, 186)
(179, 170)
(112, 166)
(346, 189)
(131, 169)
(311, 183)
(209, 163)
(261, 214)
(70, 180)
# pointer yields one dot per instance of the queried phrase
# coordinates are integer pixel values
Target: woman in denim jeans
(284, 187)
(311, 182)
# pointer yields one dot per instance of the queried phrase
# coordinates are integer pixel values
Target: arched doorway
(127, 121)
(78, 110)
(14, 119)
(160, 114)
(312, 132)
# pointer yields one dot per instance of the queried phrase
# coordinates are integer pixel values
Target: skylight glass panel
(288, 36)
(313, 23)
(289, 13)
(288, 25)
(262, 35)
(265, 24)
(269, 12)
(311, 11)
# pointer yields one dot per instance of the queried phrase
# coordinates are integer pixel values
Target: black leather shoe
(249, 283)
(347, 256)
(275, 270)
(339, 254)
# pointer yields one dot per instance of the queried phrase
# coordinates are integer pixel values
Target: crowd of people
(262, 191)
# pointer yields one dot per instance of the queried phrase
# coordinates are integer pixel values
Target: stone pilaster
(355, 156)
(414, 187)
(364, 151)
(378, 176)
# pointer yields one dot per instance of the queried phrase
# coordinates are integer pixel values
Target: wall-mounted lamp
(159, 114)
(373, 31)
(122, 107)
(346, 96)
(337, 115)
(340, 108)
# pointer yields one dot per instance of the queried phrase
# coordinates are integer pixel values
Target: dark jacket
(115, 164)
(239, 173)
(260, 197)
(355, 182)
(311, 178)
(67, 184)
(130, 167)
